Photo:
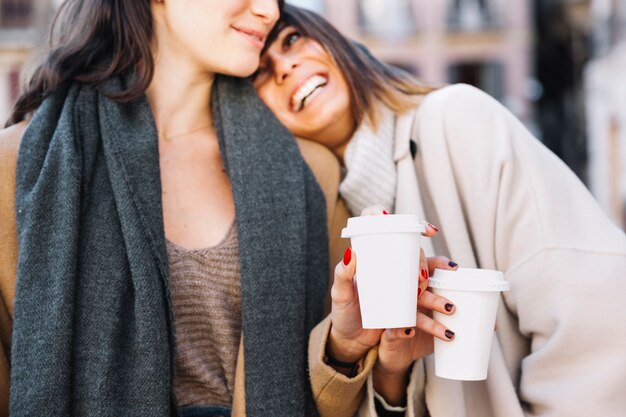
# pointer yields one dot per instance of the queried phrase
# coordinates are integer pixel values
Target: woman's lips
(255, 37)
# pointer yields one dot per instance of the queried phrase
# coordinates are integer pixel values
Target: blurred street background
(558, 65)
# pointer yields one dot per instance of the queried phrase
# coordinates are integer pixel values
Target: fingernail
(408, 332)
(385, 212)
(453, 264)
(435, 228)
(449, 307)
(347, 256)
(419, 292)
(424, 273)
(449, 334)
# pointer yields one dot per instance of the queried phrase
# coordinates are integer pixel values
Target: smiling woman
(144, 257)
(321, 85)
(502, 200)
(298, 76)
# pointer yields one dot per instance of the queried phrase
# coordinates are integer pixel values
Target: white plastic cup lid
(469, 279)
(391, 223)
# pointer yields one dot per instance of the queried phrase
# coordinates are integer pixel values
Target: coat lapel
(408, 197)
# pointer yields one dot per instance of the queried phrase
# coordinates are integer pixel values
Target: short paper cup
(387, 248)
(475, 293)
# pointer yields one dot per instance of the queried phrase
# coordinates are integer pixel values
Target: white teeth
(307, 91)
(310, 96)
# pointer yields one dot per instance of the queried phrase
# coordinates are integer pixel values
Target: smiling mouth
(303, 95)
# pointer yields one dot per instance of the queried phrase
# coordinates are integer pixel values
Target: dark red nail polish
(450, 334)
(453, 264)
(347, 256)
(385, 212)
(419, 292)
(424, 273)
(408, 331)
(435, 228)
(449, 307)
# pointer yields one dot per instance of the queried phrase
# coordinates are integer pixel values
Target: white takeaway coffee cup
(475, 293)
(387, 249)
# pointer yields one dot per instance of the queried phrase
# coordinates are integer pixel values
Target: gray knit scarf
(93, 331)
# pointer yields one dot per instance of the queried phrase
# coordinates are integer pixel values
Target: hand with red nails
(349, 342)
(399, 348)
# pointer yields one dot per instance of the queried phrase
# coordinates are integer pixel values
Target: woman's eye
(291, 39)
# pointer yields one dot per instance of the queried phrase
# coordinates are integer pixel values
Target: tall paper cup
(475, 293)
(388, 252)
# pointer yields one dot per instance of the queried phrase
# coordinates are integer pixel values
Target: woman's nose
(284, 65)
(267, 10)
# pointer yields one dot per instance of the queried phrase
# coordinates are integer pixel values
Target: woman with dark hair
(455, 156)
(153, 213)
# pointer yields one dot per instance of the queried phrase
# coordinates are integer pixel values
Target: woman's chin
(243, 69)
(238, 70)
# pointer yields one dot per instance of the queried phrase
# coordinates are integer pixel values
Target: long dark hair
(369, 79)
(89, 42)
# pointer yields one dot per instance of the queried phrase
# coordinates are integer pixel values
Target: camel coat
(321, 161)
(504, 202)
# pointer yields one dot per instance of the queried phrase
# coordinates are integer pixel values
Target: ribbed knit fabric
(370, 169)
(206, 298)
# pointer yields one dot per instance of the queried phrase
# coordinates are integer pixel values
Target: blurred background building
(23, 25)
(558, 65)
(487, 43)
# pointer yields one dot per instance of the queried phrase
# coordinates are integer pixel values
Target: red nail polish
(419, 292)
(424, 274)
(347, 256)
(385, 212)
(435, 228)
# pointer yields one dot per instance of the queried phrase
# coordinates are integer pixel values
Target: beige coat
(505, 202)
(322, 163)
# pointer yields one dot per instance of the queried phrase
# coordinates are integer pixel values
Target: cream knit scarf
(370, 171)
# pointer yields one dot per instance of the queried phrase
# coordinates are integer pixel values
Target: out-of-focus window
(406, 66)
(315, 5)
(14, 84)
(488, 76)
(16, 13)
(471, 15)
(387, 19)
(619, 31)
(609, 25)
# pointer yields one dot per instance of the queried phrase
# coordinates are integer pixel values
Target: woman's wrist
(344, 350)
(391, 384)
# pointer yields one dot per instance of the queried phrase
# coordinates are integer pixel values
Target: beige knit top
(206, 298)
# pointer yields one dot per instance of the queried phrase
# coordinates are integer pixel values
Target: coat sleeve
(416, 406)
(525, 213)
(335, 394)
(9, 145)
